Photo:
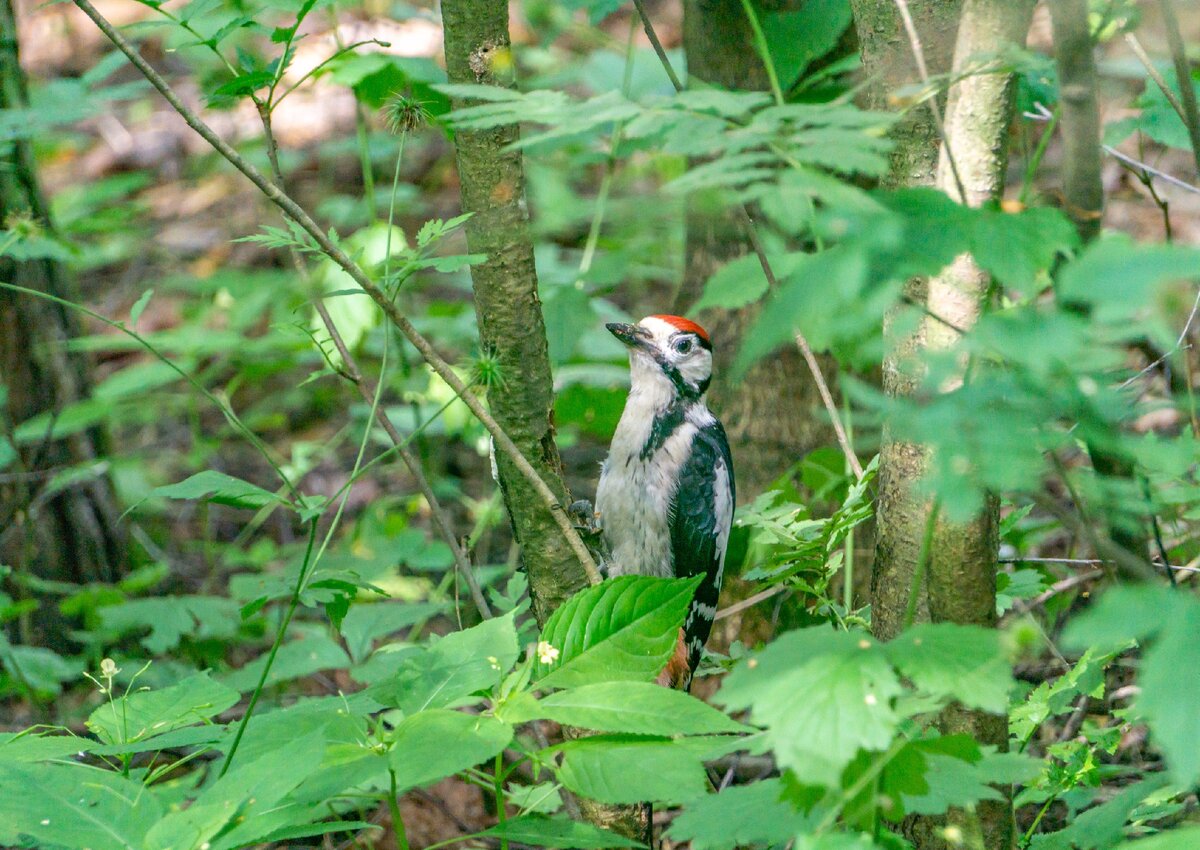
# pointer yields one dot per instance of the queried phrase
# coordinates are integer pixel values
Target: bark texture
(960, 581)
(511, 325)
(512, 330)
(72, 535)
(773, 417)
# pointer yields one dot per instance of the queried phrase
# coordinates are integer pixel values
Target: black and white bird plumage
(666, 495)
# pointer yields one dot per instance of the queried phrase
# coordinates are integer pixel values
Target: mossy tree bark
(960, 557)
(512, 329)
(72, 535)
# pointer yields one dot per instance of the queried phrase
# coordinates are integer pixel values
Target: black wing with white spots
(701, 515)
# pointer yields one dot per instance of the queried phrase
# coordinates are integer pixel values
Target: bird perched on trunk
(666, 495)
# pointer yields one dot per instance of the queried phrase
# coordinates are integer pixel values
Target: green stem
(1037, 820)
(501, 815)
(760, 44)
(1039, 152)
(279, 635)
(397, 819)
(914, 592)
(848, 556)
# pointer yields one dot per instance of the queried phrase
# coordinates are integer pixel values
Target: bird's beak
(632, 335)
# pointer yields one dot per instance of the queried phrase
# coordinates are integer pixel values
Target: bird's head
(668, 354)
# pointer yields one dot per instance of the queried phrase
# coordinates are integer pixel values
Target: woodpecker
(666, 494)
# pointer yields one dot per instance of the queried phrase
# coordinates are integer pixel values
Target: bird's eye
(683, 346)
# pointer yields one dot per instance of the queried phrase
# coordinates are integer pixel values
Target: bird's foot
(585, 517)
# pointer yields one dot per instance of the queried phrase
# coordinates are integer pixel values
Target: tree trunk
(960, 556)
(512, 329)
(71, 535)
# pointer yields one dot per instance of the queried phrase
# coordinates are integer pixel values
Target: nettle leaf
(1015, 247)
(1118, 278)
(949, 661)
(1166, 623)
(739, 816)
(613, 769)
(639, 708)
(848, 687)
(620, 630)
(452, 668)
(143, 714)
(557, 832)
(222, 489)
(436, 743)
(366, 622)
(73, 806)
(1052, 698)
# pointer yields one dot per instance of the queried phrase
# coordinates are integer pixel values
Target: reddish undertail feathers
(680, 323)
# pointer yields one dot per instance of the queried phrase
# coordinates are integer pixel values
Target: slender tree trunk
(960, 557)
(511, 326)
(512, 330)
(1083, 196)
(72, 535)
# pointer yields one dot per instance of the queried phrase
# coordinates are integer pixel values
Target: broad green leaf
(735, 284)
(1015, 247)
(739, 816)
(1170, 682)
(366, 622)
(436, 743)
(847, 686)
(231, 812)
(631, 770)
(949, 661)
(1183, 838)
(170, 618)
(217, 487)
(294, 660)
(452, 668)
(73, 806)
(622, 629)
(557, 832)
(638, 708)
(42, 669)
(143, 714)
(796, 38)
(543, 798)
(354, 317)
(1118, 278)
(28, 746)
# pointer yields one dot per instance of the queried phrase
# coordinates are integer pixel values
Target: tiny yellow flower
(546, 653)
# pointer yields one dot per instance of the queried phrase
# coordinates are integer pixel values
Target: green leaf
(622, 629)
(294, 660)
(638, 708)
(1184, 838)
(28, 746)
(739, 816)
(452, 668)
(436, 743)
(1117, 278)
(366, 622)
(557, 832)
(796, 38)
(143, 714)
(135, 312)
(170, 618)
(848, 687)
(1015, 247)
(213, 486)
(1170, 682)
(1101, 826)
(949, 661)
(612, 769)
(73, 806)
(735, 284)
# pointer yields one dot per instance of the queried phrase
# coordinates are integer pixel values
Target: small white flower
(870, 699)
(546, 653)
(108, 668)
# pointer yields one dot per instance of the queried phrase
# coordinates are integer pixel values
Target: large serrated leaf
(621, 770)
(623, 629)
(957, 662)
(739, 816)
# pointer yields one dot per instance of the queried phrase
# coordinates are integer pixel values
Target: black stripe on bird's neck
(687, 392)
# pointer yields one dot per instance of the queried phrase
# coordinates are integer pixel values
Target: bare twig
(656, 44)
(439, 365)
(1183, 72)
(1159, 80)
(750, 602)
